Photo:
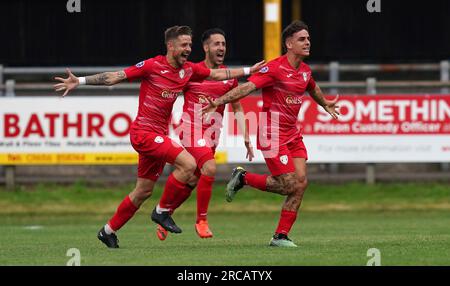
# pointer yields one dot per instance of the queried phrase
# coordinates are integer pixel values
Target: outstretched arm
(106, 78)
(71, 82)
(329, 105)
(240, 118)
(224, 74)
(235, 94)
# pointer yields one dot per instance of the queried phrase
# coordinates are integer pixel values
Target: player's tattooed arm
(71, 82)
(235, 94)
(329, 105)
(106, 78)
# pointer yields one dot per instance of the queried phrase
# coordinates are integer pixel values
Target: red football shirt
(283, 88)
(192, 118)
(160, 86)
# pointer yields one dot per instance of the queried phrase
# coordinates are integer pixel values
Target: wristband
(82, 80)
(246, 71)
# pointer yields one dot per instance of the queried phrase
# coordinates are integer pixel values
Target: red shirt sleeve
(311, 84)
(265, 77)
(235, 83)
(199, 73)
(139, 70)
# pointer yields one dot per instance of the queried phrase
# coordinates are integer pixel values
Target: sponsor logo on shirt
(264, 69)
(181, 73)
(169, 94)
(293, 100)
(284, 159)
(140, 64)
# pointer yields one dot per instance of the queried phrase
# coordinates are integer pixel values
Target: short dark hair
(175, 31)
(290, 30)
(207, 34)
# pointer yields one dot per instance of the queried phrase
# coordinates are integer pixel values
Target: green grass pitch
(337, 224)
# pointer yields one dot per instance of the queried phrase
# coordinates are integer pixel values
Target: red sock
(172, 189)
(287, 219)
(204, 190)
(256, 181)
(181, 197)
(124, 212)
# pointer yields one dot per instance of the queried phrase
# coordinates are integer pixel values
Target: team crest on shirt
(264, 69)
(284, 159)
(305, 76)
(201, 142)
(181, 73)
(140, 64)
(159, 139)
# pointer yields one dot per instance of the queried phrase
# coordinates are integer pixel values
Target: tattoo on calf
(294, 200)
(289, 185)
(283, 184)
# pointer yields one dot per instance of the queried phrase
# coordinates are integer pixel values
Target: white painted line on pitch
(33, 227)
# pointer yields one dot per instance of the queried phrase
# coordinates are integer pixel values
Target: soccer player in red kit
(283, 81)
(201, 138)
(163, 78)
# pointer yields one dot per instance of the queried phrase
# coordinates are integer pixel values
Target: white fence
(439, 139)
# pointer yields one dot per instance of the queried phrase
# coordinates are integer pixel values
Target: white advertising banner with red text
(94, 130)
(373, 128)
(70, 130)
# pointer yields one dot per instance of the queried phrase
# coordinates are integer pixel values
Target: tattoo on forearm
(97, 79)
(106, 78)
(236, 93)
